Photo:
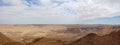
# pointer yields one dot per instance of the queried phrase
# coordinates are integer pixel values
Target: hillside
(93, 39)
(4, 40)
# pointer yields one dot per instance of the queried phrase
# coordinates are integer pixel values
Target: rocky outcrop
(93, 39)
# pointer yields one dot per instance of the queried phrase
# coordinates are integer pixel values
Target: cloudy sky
(59, 11)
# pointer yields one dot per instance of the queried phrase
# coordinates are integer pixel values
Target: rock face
(46, 41)
(93, 39)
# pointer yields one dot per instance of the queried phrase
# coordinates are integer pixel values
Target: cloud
(67, 10)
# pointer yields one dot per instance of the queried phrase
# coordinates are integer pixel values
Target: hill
(93, 39)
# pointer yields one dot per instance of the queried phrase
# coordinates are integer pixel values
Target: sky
(59, 11)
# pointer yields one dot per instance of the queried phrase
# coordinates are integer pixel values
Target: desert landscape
(59, 22)
(36, 34)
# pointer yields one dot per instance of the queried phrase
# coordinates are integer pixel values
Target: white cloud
(84, 9)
